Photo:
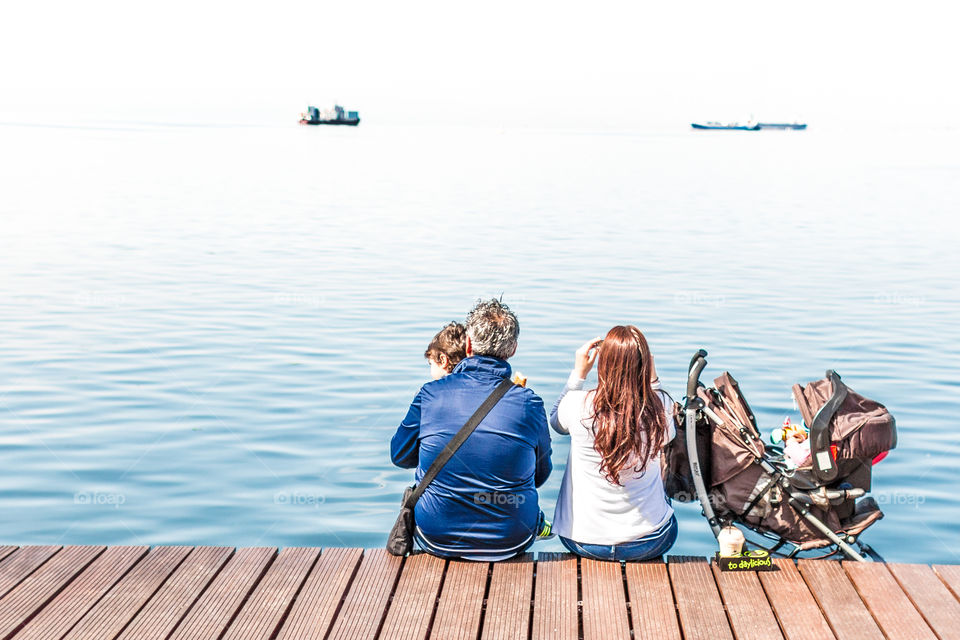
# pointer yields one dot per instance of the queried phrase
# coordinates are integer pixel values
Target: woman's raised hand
(586, 356)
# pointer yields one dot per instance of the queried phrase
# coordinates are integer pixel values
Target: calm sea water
(209, 334)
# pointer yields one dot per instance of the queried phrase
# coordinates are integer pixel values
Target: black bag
(400, 541)
(675, 465)
(675, 460)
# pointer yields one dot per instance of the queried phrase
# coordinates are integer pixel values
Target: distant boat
(330, 116)
(783, 125)
(730, 126)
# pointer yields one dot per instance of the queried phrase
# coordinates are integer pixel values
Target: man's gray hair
(493, 329)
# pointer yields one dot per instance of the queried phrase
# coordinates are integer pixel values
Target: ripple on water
(216, 347)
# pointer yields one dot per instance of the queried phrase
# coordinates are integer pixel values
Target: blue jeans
(652, 545)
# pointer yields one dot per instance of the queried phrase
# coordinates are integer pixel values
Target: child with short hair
(447, 349)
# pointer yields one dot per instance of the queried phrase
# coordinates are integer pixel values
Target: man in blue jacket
(483, 504)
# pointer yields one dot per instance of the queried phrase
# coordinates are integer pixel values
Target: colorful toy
(788, 430)
(796, 442)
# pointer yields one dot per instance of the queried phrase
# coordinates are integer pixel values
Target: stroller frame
(693, 405)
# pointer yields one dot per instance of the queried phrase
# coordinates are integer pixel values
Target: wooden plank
(750, 615)
(319, 600)
(652, 608)
(21, 564)
(555, 615)
(508, 601)
(893, 611)
(42, 585)
(141, 594)
(698, 601)
(461, 601)
(265, 610)
(931, 598)
(215, 609)
(845, 611)
(112, 613)
(415, 597)
(604, 600)
(366, 601)
(796, 609)
(71, 604)
(6, 550)
(950, 574)
(168, 606)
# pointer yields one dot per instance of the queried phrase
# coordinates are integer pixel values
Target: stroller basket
(720, 457)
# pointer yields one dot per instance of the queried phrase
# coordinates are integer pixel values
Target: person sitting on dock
(483, 505)
(612, 504)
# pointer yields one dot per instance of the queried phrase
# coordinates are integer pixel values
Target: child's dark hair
(450, 341)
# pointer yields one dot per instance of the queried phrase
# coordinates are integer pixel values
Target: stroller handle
(697, 364)
(693, 405)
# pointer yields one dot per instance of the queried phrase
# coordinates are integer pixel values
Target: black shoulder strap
(458, 439)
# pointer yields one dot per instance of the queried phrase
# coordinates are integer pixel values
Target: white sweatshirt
(590, 509)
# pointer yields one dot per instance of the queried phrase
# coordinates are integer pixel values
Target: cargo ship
(337, 115)
(750, 125)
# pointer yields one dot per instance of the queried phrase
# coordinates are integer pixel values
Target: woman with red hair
(612, 504)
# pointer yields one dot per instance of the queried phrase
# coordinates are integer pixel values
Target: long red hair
(628, 421)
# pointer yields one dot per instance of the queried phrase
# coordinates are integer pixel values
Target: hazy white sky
(603, 64)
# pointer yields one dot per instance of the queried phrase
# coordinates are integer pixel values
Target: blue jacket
(485, 498)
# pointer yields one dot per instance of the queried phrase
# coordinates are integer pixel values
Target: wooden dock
(186, 593)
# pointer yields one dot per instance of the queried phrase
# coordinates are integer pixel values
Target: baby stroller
(720, 457)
